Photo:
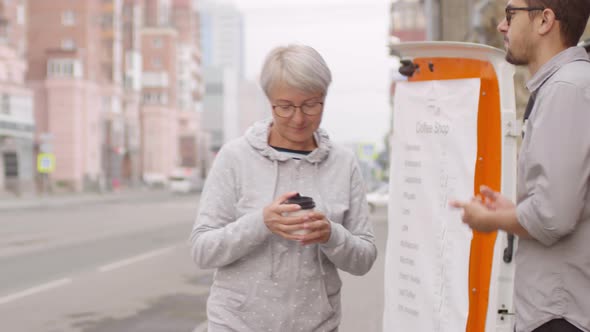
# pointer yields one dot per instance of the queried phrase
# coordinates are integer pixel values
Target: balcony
(64, 68)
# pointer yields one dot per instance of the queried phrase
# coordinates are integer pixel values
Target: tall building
(17, 129)
(222, 38)
(159, 111)
(65, 56)
(222, 49)
(186, 20)
(120, 105)
(117, 87)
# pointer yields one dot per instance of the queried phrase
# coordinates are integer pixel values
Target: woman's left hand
(319, 229)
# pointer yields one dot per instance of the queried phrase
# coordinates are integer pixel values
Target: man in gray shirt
(552, 214)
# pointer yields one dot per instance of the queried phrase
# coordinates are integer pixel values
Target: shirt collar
(568, 55)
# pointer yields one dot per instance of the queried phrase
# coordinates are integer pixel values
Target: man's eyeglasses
(510, 11)
(285, 111)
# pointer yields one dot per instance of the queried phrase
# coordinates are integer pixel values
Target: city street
(124, 265)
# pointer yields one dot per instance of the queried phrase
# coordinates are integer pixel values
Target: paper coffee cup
(307, 205)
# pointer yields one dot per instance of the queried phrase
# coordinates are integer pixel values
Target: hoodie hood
(257, 137)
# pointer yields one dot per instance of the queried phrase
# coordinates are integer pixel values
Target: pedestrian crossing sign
(45, 163)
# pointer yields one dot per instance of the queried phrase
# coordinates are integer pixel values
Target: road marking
(131, 260)
(36, 289)
(201, 327)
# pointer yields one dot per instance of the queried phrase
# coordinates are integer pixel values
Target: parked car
(378, 197)
(185, 181)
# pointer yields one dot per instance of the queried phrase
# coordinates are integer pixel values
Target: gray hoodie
(264, 282)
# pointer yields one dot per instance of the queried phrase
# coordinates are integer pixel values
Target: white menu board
(433, 156)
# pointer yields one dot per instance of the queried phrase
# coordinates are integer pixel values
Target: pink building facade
(17, 149)
(65, 74)
(159, 115)
(171, 89)
(190, 86)
(112, 102)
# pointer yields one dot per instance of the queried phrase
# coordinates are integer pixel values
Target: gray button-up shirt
(553, 269)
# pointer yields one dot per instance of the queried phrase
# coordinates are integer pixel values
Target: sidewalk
(67, 199)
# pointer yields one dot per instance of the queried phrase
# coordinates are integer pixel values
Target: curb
(47, 202)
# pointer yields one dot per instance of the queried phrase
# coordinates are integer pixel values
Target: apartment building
(190, 88)
(65, 49)
(223, 56)
(159, 114)
(17, 129)
(114, 81)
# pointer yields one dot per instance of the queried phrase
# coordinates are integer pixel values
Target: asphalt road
(124, 265)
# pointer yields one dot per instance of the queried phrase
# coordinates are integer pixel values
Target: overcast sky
(351, 35)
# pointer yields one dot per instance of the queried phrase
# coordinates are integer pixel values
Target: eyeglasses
(510, 11)
(285, 111)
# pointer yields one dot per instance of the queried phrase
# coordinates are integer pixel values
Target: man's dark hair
(572, 16)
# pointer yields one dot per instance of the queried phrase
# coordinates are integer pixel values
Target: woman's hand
(319, 229)
(282, 225)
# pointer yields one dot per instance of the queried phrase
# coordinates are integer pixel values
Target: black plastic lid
(305, 202)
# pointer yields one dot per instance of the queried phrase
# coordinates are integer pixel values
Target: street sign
(46, 163)
(367, 151)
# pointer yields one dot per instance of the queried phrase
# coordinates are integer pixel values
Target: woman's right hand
(281, 225)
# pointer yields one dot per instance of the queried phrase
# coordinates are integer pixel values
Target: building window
(68, 18)
(107, 21)
(5, 104)
(148, 98)
(157, 63)
(155, 98)
(10, 164)
(60, 69)
(68, 44)
(157, 42)
(163, 98)
(64, 68)
(20, 15)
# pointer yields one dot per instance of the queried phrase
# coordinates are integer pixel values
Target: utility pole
(432, 9)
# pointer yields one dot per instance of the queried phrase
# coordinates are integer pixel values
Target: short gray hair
(298, 66)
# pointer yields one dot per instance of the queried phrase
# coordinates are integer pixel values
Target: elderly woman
(278, 270)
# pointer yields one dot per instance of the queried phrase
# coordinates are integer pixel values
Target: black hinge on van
(509, 250)
(408, 68)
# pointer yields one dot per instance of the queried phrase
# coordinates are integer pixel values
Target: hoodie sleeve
(218, 237)
(351, 246)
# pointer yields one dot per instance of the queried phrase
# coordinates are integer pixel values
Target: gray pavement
(363, 297)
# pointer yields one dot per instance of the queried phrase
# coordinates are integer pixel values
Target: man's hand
(494, 200)
(319, 229)
(498, 212)
(281, 225)
(476, 215)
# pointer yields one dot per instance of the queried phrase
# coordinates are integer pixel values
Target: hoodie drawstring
(272, 198)
(316, 175)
